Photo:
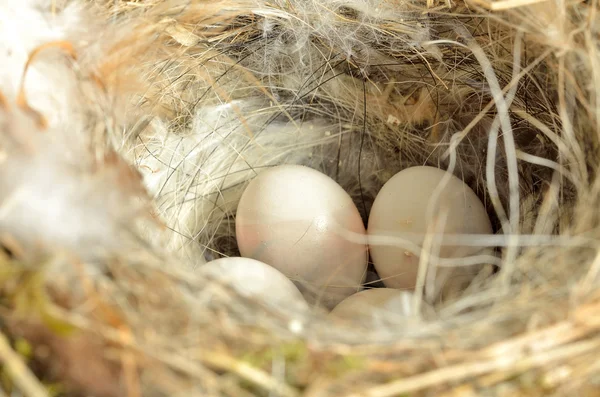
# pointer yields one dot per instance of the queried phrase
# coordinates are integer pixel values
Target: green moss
(23, 288)
(6, 382)
(24, 348)
(292, 352)
(55, 389)
(344, 364)
(31, 298)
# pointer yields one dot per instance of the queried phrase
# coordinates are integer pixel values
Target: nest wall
(130, 130)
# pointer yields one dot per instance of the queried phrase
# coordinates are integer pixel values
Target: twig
(130, 368)
(505, 4)
(477, 368)
(249, 373)
(192, 368)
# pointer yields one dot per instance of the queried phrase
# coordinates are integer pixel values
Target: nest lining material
(137, 125)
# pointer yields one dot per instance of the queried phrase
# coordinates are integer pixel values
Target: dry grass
(199, 95)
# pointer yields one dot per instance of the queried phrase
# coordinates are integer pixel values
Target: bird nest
(130, 129)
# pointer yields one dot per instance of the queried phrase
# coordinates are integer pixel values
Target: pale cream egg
(378, 307)
(303, 223)
(255, 280)
(400, 211)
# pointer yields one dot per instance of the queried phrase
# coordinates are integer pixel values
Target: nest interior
(130, 129)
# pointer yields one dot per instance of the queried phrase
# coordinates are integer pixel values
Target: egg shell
(289, 217)
(380, 306)
(400, 209)
(256, 280)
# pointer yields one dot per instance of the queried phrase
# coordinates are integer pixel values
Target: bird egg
(256, 280)
(401, 210)
(379, 307)
(303, 223)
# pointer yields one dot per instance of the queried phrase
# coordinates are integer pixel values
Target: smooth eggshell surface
(256, 280)
(400, 210)
(290, 217)
(379, 306)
